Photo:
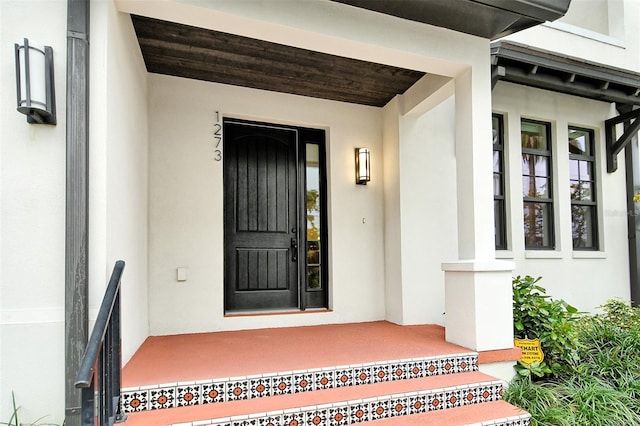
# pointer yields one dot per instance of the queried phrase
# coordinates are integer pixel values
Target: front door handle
(294, 250)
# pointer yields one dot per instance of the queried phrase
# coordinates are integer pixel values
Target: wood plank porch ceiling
(197, 53)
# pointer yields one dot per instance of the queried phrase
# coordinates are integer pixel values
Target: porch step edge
(367, 409)
(180, 394)
(494, 413)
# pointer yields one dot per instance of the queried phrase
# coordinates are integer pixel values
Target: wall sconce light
(34, 83)
(363, 168)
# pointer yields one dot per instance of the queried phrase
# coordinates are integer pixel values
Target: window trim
(594, 190)
(500, 145)
(550, 201)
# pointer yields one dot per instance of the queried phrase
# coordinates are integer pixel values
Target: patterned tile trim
(363, 410)
(521, 420)
(169, 395)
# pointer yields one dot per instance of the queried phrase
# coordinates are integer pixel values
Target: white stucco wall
(618, 46)
(584, 279)
(119, 169)
(32, 218)
(428, 205)
(420, 200)
(186, 204)
(32, 201)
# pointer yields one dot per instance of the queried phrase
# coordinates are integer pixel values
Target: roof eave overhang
(521, 64)
(489, 19)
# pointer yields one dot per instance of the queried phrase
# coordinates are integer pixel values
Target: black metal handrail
(99, 373)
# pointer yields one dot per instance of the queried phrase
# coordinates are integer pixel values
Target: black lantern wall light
(363, 168)
(34, 82)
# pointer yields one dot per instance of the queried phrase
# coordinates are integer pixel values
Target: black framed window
(315, 206)
(537, 185)
(499, 206)
(582, 181)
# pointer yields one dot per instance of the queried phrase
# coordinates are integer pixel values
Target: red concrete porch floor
(186, 357)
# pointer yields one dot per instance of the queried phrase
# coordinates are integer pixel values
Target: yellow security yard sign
(531, 350)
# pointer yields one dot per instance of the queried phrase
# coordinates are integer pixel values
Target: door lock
(294, 250)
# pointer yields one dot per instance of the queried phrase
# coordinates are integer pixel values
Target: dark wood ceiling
(185, 51)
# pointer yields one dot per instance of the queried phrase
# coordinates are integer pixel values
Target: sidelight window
(314, 207)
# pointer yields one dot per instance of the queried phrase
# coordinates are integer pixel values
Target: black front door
(261, 217)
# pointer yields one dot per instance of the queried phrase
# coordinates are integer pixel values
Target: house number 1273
(217, 138)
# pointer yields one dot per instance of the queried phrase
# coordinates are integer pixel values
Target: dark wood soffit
(185, 51)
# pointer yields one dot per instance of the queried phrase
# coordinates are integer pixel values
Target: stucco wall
(429, 208)
(420, 202)
(584, 279)
(618, 46)
(186, 204)
(119, 169)
(32, 201)
(32, 217)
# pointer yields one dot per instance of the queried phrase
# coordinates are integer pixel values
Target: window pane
(497, 161)
(497, 184)
(580, 170)
(582, 187)
(583, 227)
(535, 165)
(535, 187)
(313, 278)
(574, 169)
(534, 136)
(580, 142)
(500, 226)
(537, 225)
(581, 191)
(313, 216)
(499, 210)
(586, 170)
(313, 252)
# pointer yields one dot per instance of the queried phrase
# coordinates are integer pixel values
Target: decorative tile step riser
(364, 410)
(523, 420)
(183, 394)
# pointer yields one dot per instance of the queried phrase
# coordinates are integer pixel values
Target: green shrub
(541, 400)
(621, 314)
(538, 316)
(583, 400)
(600, 382)
(596, 402)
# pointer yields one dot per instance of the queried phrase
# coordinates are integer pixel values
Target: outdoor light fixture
(34, 83)
(363, 169)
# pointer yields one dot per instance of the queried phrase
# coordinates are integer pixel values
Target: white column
(474, 166)
(392, 213)
(478, 291)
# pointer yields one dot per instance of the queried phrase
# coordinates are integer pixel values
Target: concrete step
(494, 413)
(315, 375)
(338, 406)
